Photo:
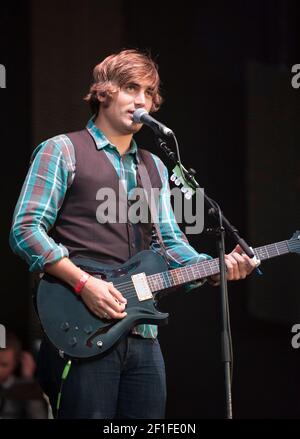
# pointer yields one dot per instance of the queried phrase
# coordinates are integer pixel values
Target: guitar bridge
(141, 286)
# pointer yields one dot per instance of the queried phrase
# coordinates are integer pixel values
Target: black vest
(77, 227)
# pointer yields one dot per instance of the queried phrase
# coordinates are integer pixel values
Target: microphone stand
(224, 226)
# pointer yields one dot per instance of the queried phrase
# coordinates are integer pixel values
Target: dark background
(226, 74)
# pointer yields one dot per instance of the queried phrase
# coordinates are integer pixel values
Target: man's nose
(140, 98)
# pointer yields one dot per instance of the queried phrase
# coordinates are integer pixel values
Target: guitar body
(77, 332)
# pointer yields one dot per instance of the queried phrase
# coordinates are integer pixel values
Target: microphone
(142, 116)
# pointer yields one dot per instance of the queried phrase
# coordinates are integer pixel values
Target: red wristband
(81, 283)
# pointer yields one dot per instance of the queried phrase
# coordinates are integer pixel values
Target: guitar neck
(200, 270)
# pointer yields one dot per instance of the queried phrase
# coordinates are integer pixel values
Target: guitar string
(127, 287)
(179, 276)
(171, 281)
(271, 250)
(212, 264)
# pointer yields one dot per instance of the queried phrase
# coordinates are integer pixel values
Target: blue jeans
(129, 382)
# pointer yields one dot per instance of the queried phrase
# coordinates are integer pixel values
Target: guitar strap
(150, 197)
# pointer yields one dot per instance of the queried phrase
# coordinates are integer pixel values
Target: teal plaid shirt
(51, 173)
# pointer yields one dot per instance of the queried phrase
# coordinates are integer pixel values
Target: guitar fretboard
(200, 270)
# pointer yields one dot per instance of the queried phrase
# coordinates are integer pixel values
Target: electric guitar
(78, 333)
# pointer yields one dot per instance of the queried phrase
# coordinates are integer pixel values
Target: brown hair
(118, 70)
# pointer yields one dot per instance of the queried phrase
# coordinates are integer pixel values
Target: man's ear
(101, 96)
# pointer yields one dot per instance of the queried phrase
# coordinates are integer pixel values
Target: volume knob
(65, 326)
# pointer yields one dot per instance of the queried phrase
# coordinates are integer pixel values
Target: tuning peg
(177, 182)
(173, 177)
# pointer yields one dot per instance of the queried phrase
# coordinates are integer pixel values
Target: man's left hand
(238, 265)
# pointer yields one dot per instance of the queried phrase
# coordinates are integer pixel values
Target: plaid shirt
(50, 175)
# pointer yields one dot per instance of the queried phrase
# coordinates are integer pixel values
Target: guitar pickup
(141, 286)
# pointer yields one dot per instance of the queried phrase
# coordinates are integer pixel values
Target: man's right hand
(103, 299)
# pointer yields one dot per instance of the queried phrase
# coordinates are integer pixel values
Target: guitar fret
(261, 253)
(156, 282)
(185, 273)
(166, 280)
(171, 278)
(175, 278)
(211, 269)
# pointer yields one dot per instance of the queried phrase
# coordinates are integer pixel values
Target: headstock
(294, 242)
(178, 178)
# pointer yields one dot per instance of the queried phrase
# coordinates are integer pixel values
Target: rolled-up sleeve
(40, 199)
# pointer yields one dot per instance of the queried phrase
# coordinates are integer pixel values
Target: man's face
(7, 364)
(117, 116)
